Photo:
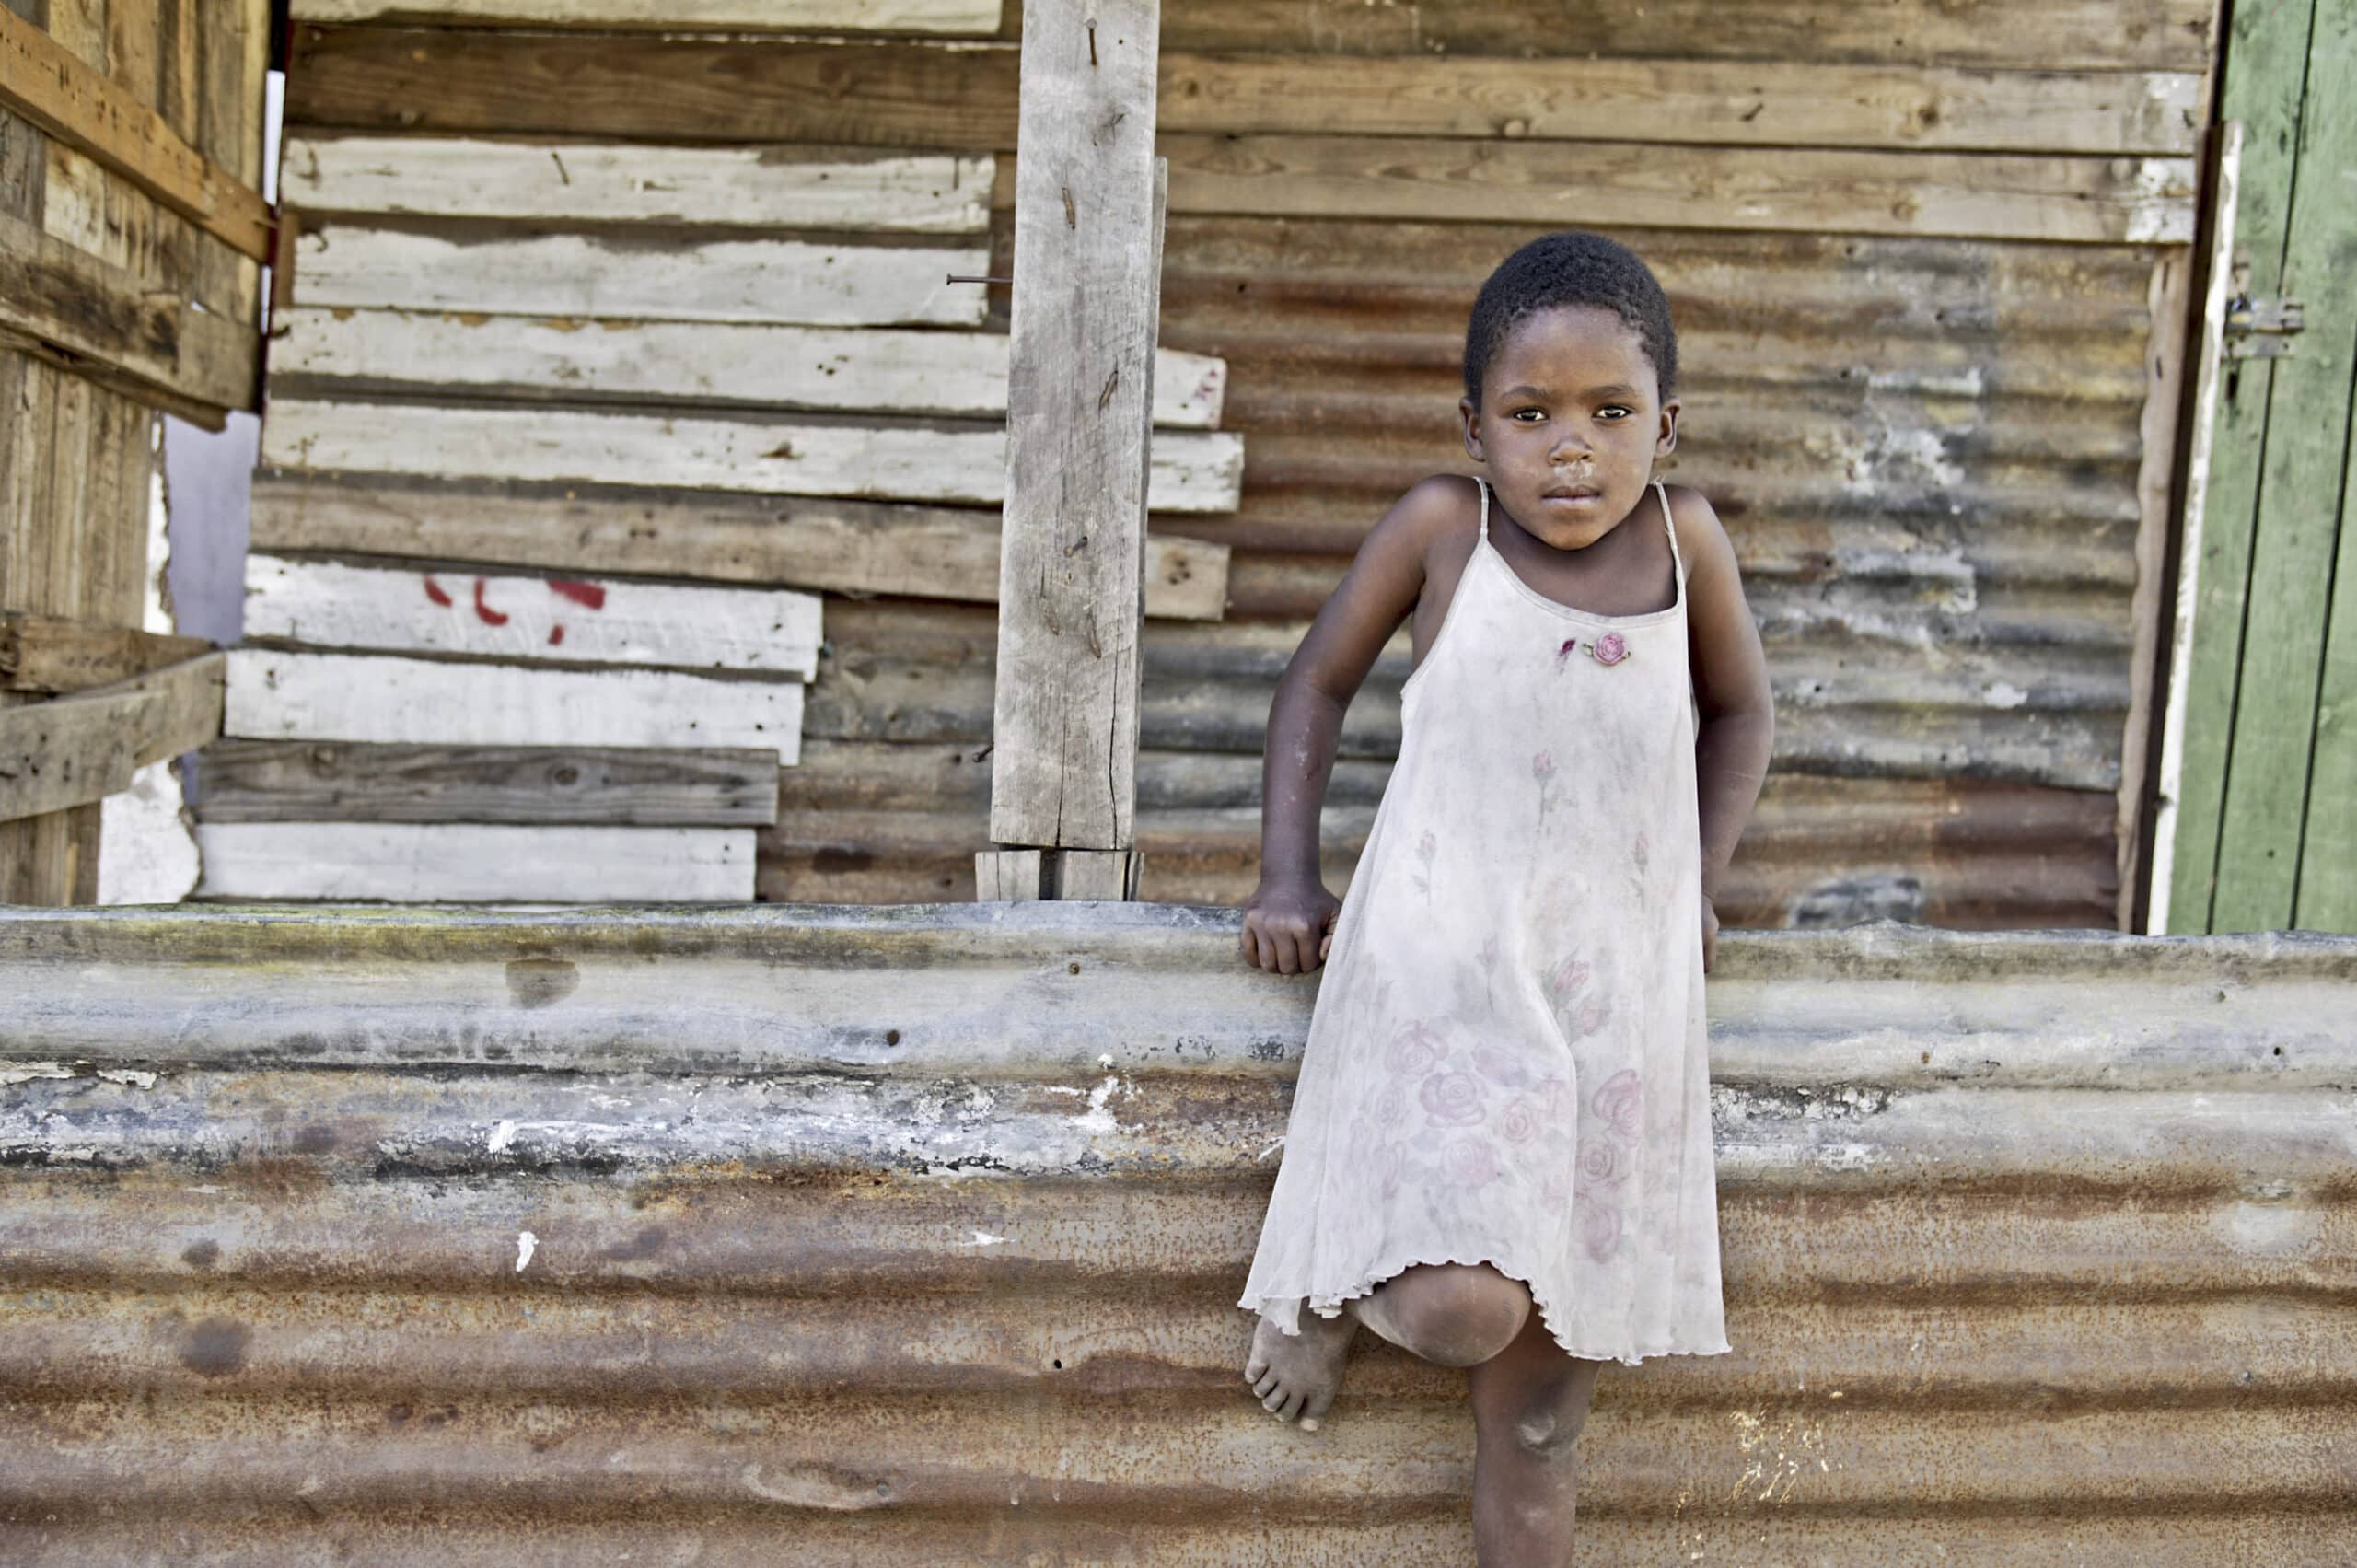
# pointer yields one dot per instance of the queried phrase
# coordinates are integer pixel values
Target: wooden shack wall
(1927, 262)
(112, 308)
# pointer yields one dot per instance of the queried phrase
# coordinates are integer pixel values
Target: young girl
(1499, 1156)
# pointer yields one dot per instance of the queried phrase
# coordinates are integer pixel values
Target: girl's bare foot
(1295, 1375)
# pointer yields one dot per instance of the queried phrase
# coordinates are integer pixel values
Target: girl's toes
(1293, 1408)
(1261, 1389)
(1256, 1368)
(1275, 1399)
(1314, 1412)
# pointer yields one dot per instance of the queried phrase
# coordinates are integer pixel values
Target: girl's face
(1570, 425)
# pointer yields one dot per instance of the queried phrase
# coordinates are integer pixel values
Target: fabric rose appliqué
(1451, 1099)
(1607, 650)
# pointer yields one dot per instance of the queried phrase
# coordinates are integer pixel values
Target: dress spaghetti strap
(1484, 485)
(1662, 491)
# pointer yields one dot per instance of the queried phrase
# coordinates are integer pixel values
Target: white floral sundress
(1507, 1063)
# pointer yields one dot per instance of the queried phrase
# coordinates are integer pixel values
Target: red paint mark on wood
(590, 596)
(433, 591)
(488, 616)
(556, 634)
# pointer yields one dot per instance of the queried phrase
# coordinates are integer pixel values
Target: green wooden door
(2265, 818)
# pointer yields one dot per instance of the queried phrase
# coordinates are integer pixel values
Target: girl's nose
(1569, 449)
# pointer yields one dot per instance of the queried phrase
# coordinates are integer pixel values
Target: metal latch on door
(2259, 328)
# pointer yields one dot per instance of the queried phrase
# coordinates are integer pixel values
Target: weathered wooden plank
(869, 369)
(855, 547)
(2162, 913)
(325, 604)
(1194, 472)
(585, 182)
(56, 298)
(952, 16)
(50, 655)
(146, 853)
(2261, 89)
(1785, 103)
(2298, 518)
(2093, 200)
(1078, 452)
(907, 94)
(277, 695)
(602, 277)
(474, 862)
(303, 781)
(2327, 893)
(76, 751)
(49, 86)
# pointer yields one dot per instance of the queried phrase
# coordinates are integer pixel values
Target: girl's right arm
(1289, 919)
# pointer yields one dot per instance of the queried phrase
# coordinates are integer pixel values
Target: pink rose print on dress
(1568, 980)
(1609, 649)
(1599, 1226)
(1472, 1162)
(1498, 1064)
(1603, 1164)
(1519, 1123)
(1452, 1098)
(1592, 1015)
(1415, 1050)
(1392, 1160)
(1555, 1185)
(1543, 769)
(1426, 847)
(1619, 1103)
(1391, 1104)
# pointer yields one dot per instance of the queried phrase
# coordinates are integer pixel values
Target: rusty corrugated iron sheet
(833, 1236)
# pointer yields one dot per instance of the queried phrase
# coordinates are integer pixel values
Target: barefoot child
(1499, 1156)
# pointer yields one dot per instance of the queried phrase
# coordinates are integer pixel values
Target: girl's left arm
(1736, 720)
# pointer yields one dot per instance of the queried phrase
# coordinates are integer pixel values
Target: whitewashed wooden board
(277, 695)
(475, 863)
(603, 278)
(865, 369)
(632, 183)
(963, 17)
(572, 619)
(146, 854)
(1193, 471)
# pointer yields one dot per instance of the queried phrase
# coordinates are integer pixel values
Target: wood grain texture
(301, 780)
(908, 94)
(52, 88)
(58, 297)
(2084, 200)
(587, 182)
(76, 751)
(873, 369)
(474, 862)
(1079, 457)
(326, 604)
(1193, 472)
(855, 547)
(948, 16)
(278, 695)
(600, 277)
(50, 654)
(2301, 476)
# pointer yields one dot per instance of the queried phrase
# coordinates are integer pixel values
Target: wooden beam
(2144, 200)
(587, 278)
(48, 85)
(1196, 471)
(78, 750)
(304, 781)
(325, 604)
(1078, 454)
(50, 655)
(852, 547)
(473, 863)
(279, 695)
(580, 182)
(867, 370)
(102, 323)
(950, 17)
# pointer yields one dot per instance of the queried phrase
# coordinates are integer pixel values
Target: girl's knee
(1454, 1315)
(1549, 1429)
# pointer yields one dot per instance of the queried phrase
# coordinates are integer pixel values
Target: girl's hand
(1709, 934)
(1289, 926)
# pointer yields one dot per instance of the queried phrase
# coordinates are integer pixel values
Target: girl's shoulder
(1442, 509)
(1700, 536)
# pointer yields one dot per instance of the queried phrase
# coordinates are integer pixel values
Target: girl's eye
(1528, 415)
(1613, 410)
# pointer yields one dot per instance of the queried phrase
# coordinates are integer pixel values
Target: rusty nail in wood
(955, 278)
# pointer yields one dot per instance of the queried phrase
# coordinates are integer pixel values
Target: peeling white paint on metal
(525, 1243)
(501, 1136)
(133, 1076)
(25, 1072)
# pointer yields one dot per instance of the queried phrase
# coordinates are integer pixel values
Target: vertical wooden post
(1087, 294)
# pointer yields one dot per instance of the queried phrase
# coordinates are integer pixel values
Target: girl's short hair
(1570, 268)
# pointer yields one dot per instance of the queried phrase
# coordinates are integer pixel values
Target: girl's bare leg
(1453, 1314)
(1529, 1402)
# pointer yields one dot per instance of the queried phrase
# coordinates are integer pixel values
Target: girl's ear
(1667, 442)
(1472, 418)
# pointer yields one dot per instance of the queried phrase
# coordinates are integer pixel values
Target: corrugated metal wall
(1915, 253)
(826, 1236)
